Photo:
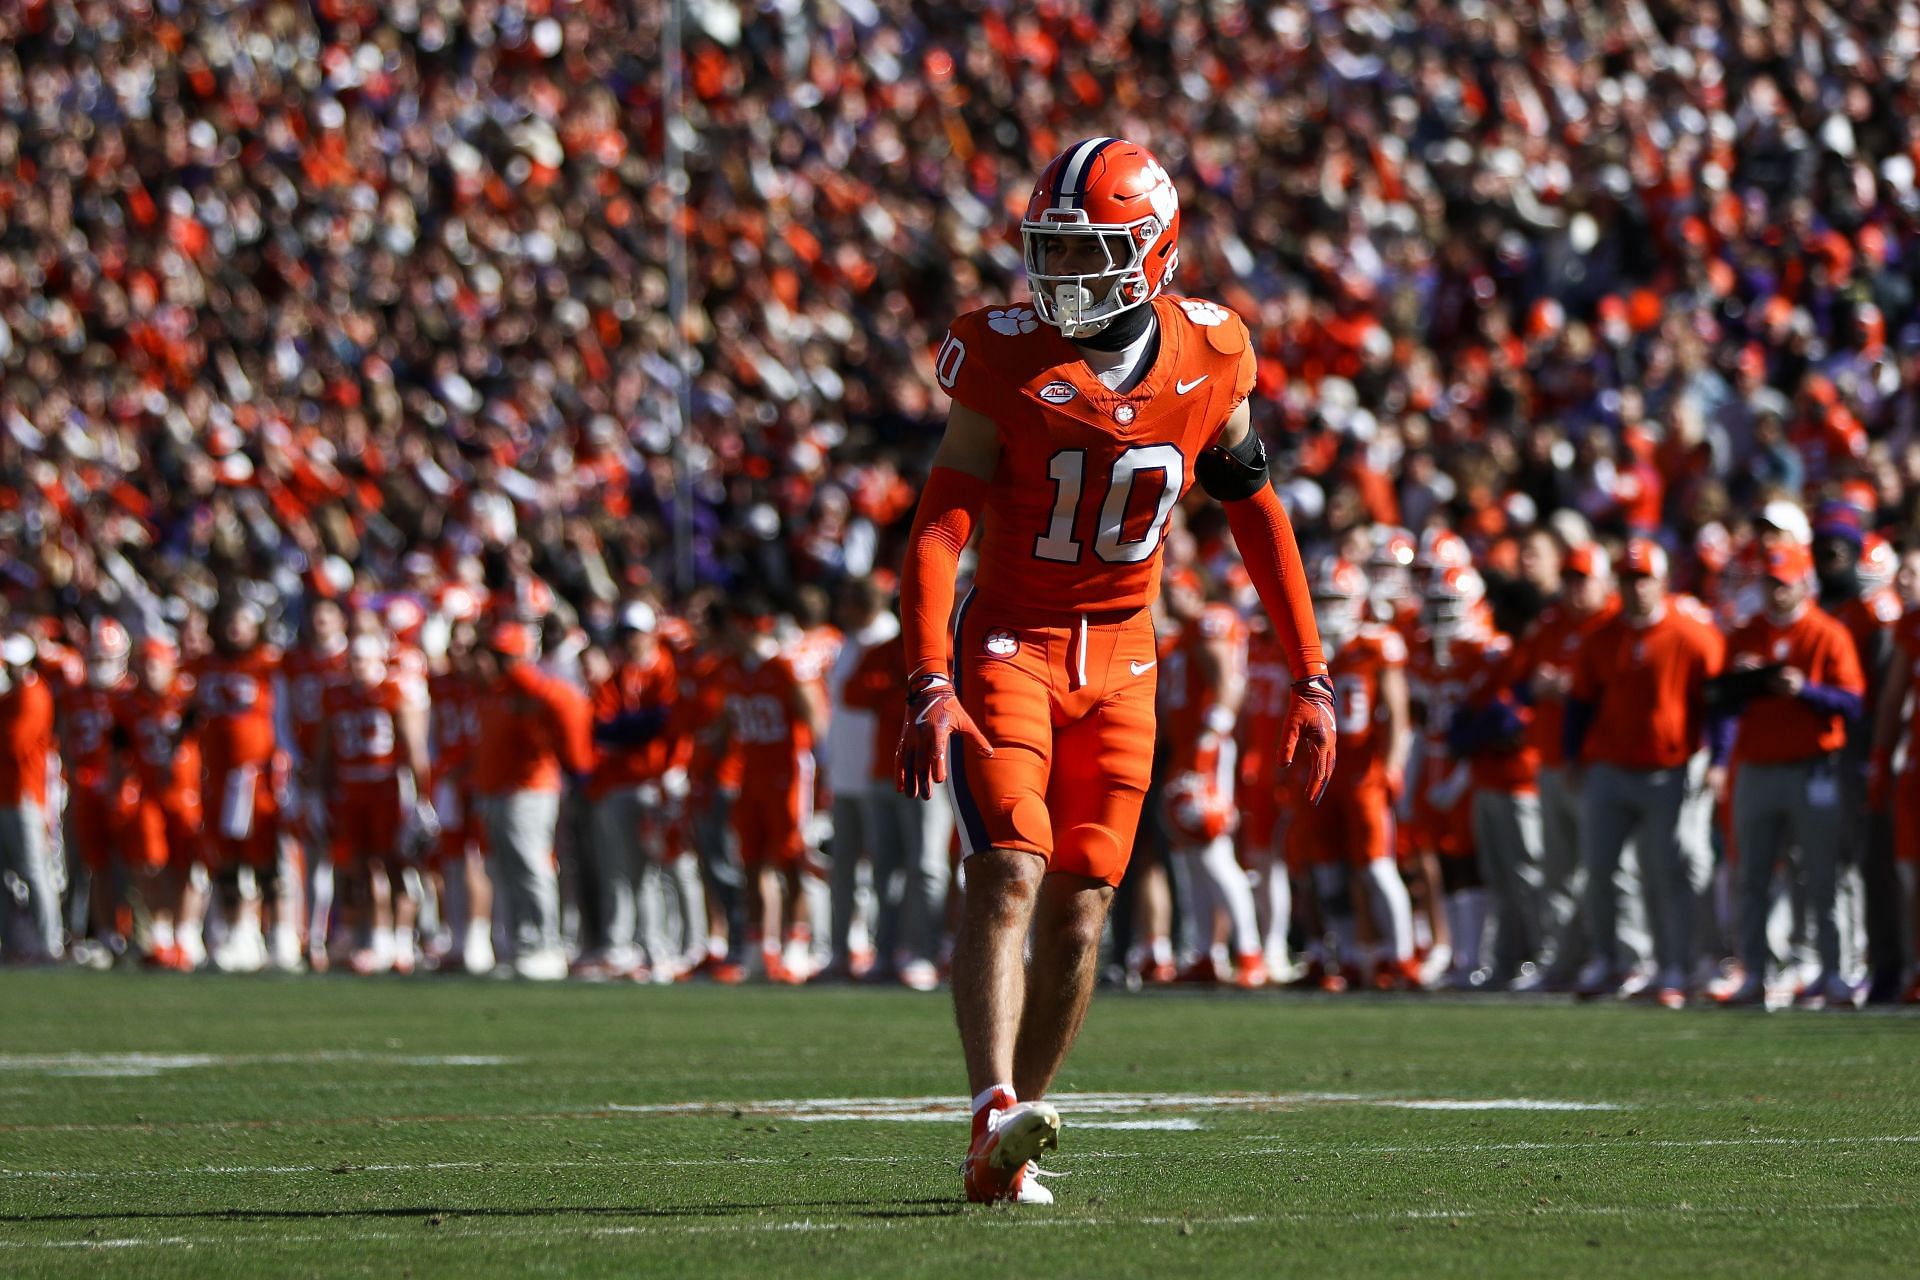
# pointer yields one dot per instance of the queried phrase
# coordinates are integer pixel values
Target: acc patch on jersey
(1057, 392)
(1002, 644)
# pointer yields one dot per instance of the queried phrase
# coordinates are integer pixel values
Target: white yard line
(1619, 1144)
(943, 1109)
(144, 1065)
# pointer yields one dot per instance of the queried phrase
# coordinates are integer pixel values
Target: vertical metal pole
(675, 166)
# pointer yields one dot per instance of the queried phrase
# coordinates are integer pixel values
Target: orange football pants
(1352, 824)
(1067, 702)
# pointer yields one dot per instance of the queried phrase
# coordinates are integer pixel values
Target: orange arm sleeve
(949, 506)
(1265, 538)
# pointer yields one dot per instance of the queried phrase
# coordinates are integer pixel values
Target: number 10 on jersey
(1067, 470)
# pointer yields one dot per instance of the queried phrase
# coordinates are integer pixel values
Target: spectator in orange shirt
(1786, 789)
(535, 731)
(26, 744)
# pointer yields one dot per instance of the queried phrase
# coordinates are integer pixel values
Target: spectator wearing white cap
(26, 745)
(637, 792)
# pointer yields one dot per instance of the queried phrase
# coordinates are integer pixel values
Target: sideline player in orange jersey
(774, 716)
(158, 759)
(244, 772)
(1079, 420)
(1353, 830)
(457, 864)
(372, 762)
(1442, 661)
(307, 671)
(1200, 702)
(97, 813)
(1263, 821)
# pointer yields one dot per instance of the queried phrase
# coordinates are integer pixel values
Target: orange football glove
(934, 715)
(1310, 724)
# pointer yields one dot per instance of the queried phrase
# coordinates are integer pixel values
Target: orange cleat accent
(1006, 1135)
(1250, 971)
(1201, 972)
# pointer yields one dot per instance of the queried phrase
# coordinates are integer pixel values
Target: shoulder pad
(1226, 332)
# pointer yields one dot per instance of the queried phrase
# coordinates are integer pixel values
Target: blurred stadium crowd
(337, 475)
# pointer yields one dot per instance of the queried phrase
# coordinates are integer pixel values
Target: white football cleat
(1031, 1191)
(549, 965)
(996, 1166)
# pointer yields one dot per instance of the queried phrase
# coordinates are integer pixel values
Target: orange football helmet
(1339, 601)
(1101, 234)
(1452, 598)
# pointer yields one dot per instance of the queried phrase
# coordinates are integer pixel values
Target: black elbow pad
(1229, 475)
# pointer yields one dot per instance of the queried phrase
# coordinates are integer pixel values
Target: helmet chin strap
(1074, 300)
(1116, 334)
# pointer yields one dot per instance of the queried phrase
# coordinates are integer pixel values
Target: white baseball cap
(638, 616)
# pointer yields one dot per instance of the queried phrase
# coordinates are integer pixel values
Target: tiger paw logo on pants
(1012, 321)
(1002, 644)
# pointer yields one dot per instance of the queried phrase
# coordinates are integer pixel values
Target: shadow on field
(927, 1208)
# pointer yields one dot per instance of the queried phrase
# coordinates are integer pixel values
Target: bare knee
(1002, 885)
(1076, 917)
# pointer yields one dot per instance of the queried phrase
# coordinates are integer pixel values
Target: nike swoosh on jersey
(1181, 388)
(1141, 668)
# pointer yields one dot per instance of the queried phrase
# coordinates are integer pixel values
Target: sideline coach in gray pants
(1786, 787)
(1635, 713)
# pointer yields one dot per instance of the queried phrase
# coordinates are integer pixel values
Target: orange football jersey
(1263, 710)
(631, 688)
(1087, 477)
(165, 755)
(1359, 711)
(455, 724)
(363, 726)
(1185, 698)
(1554, 641)
(760, 718)
(308, 673)
(703, 701)
(815, 652)
(86, 733)
(235, 700)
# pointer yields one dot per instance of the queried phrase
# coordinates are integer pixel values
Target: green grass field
(154, 1126)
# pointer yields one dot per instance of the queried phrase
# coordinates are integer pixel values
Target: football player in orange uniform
(1200, 700)
(775, 717)
(159, 759)
(1352, 831)
(306, 673)
(1079, 420)
(1263, 805)
(1442, 662)
(372, 758)
(243, 773)
(457, 864)
(97, 812)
